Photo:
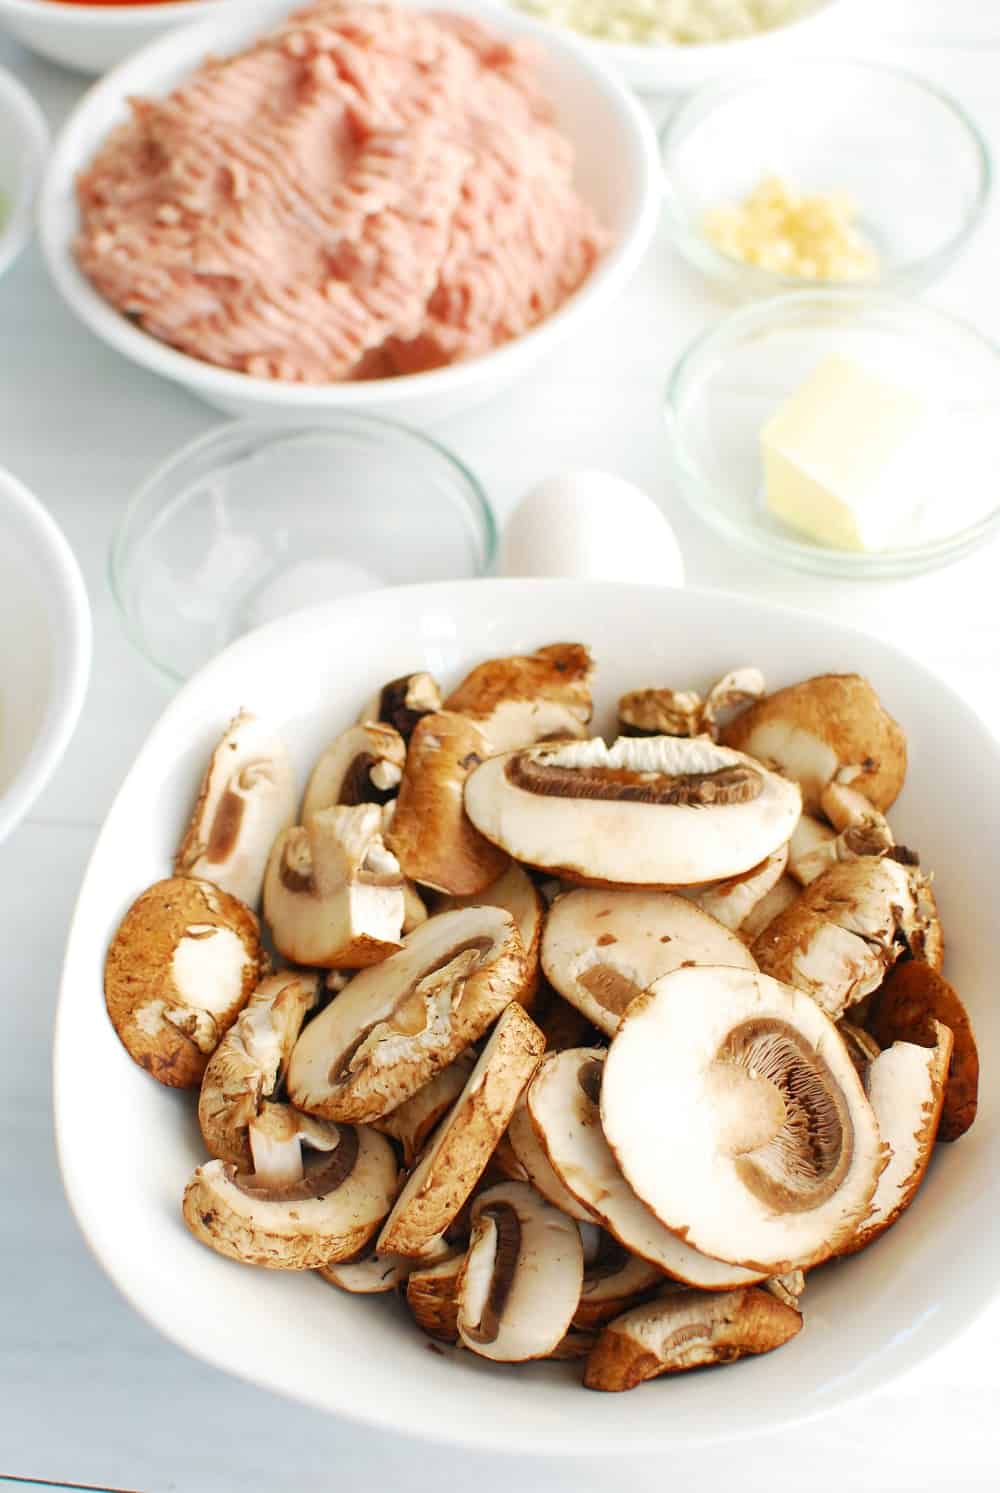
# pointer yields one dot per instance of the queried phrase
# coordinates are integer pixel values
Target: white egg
(593, 526)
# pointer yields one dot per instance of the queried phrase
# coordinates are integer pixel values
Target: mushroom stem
(276, 1149)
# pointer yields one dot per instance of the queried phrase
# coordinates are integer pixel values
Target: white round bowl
(598, 114)
(92, 38)
(45, 647)
(24, 144)
(867, 1320)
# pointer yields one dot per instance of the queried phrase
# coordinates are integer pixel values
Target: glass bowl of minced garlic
(823, 173)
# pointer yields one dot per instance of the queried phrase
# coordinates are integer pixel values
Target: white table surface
(88, 1393)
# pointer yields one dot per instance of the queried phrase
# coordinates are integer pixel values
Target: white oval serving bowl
(45, 648)
(92, 38)
(867, 1320)
(596, 111)
(24, 145)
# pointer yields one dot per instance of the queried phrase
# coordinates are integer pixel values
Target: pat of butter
(841, 458)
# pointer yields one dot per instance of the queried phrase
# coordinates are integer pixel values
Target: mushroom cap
(731, 902)
(330, 1215)
(907, 1008)
(363, 765)
(829, 725)
(660, 811)
(563, 1103)
(837, 939)
(413, 1121)
(402, 1021)
(430, 832)
(432, 1296)
(403, 702)
(246, 798)
(601, 949)
(612, 1285)
(522, 1277)
(456, 1157)
(244, 1069)
(521, 700)
(688, 1330)
(737, 1116)
(180, 968)
(515, 891)
(532, 1157)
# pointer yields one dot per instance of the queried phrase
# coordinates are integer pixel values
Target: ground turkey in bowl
(367, 191)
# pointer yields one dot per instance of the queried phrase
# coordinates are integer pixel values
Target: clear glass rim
(237, 439)
(708, 258)
(709, 503)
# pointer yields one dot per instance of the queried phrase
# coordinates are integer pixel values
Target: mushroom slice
(505, 1161)
(432, 1296)
(363, 766)
(863, 830)
(734, 691)
(838, 939)
(905, 1086)
(737, 1116)
(538, 697)
(333, 894)
(788, 1287)
(913, 1000)
(574, 1345)
(179, 970)
(862, 1049)
(412, 1122)
(601, 949)
(246, 799)
(563, 1103)
(515, 891)
(456, 1158)
(375, 1274)
(731, 902)
(430, 831)
(522, 1277)
(781, 896)
(688, 1330)
(564, 1026)
(537, 1168)
(924, 934)
(403, 702)
(658, 811)
(661, 712)
(399, 1023)
(249, 1062)
(613, 1284)
(826, 728)
(327, 1215)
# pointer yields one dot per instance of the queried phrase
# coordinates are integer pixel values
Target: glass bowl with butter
(836, 173)
(850, 433)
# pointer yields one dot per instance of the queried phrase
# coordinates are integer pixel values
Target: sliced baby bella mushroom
(661, 712)
(413, 1121)
(863, 830)
(515, 891)
(905, 1086)
(788, 1287)
(333, 894)
(924, 934)
(505, 1162)
(811, 849)
(534, 1162)
(682, 1330)
(403, 702)
(613, 1284)
(329, 1214)
(657, 811)
(539, 697)
(179, 970)
(363, 766)
(576, 1344)
(737, 1116)
(593, 1240)
(522, 1277)
(563, 1103)
(250, 1061)
(838, 939)
(432, 1296)
(734, 691)
(862, 1049)
(433, 837)
(780, 897)
(908, 1007)
(246, 799)
(400, 1022)
(601, 949)
(830, 727)
(374, 1274)
(457, 1155)
(732, 901)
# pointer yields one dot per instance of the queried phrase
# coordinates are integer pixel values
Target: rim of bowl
(721, 52)
(70, 663)
(242, 439)
(27, 119)
(707, 500)
(82, 15)
(184, 46)
(702, 253)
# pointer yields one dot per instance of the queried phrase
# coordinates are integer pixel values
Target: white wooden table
(88, 1393)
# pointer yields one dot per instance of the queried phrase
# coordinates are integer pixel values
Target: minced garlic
(780, 229)
(666, 22)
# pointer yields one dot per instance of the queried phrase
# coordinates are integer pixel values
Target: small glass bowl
(730, 380)
(253, 521)
(909, 158)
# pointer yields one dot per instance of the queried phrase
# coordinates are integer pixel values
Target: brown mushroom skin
(905, 1008)
(555, 680)
(137, 973)
(432, 1296)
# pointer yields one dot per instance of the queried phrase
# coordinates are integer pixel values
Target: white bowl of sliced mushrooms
(499, 1017)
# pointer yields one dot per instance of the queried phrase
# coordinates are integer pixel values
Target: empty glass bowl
(731, 380)
(253, 521)
(910, 160)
